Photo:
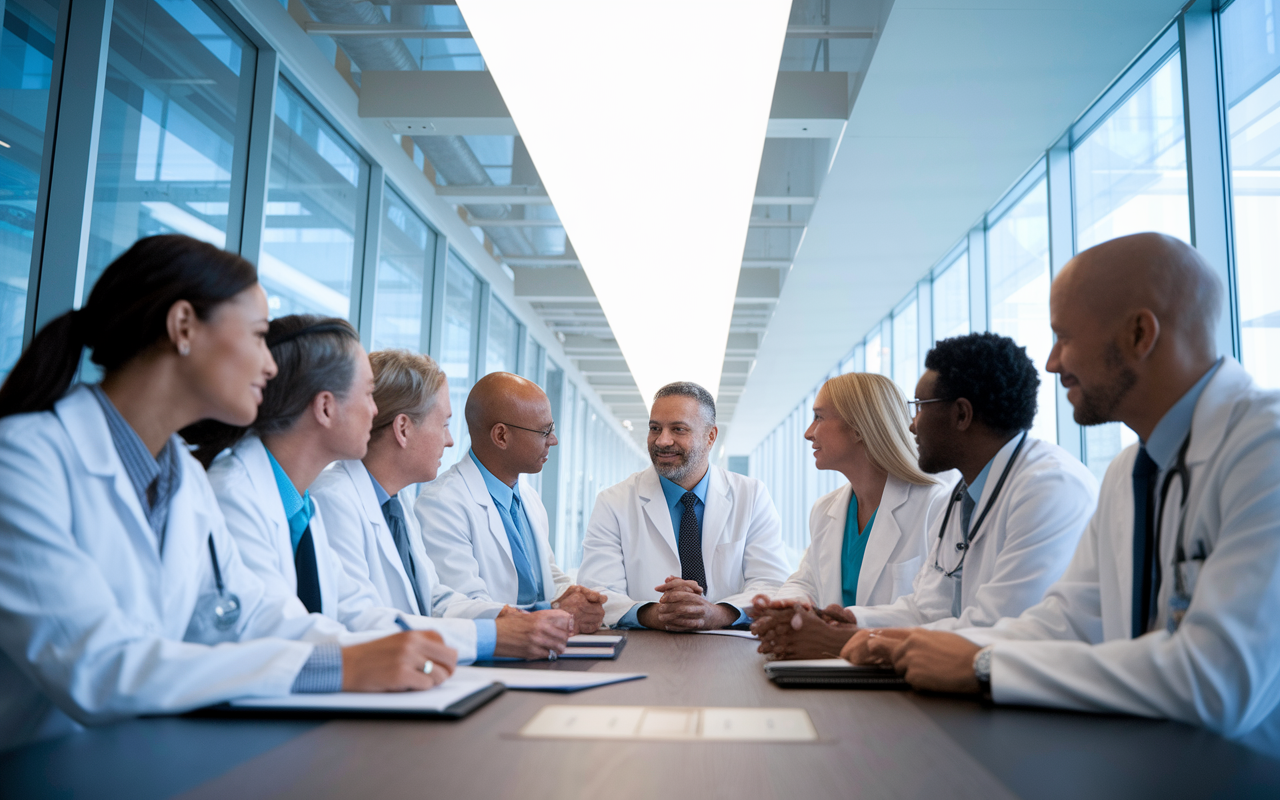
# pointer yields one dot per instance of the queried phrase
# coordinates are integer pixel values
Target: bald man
(485, 528)
(1170, 606)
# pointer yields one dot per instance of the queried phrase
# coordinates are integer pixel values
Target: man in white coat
(485, 528)
(1011, 525)
(729, 542)
(1169, 607)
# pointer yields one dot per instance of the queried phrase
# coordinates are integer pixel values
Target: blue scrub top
(854, 548)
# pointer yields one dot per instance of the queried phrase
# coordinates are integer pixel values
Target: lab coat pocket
(904, 575)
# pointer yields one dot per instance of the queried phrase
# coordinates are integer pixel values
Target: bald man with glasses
(485, 527)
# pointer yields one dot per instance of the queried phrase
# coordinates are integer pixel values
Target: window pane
(1251, 62)
(1131, 172)
(535, 359)
(906, 348)
(458, 339)
(504, 339)
(873, 352)
(1018, 274)
(179, 80)
(951, 300)
(405, 255)
(26, 63)
(315, 196)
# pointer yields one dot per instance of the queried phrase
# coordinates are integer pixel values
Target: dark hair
(126, 313)
(993, 373)
(313, 354)
(689, 389)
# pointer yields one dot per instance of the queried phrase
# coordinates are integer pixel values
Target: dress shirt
(297, 507)
(155, 479)
(519, 532)
(1172, 429)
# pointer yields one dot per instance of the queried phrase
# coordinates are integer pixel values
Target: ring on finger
(551, 655)
(429, 667)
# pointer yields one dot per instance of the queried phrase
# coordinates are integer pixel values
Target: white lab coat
(358, 533)
(1022, 547)
(631, 547)
(464, 535)
(245, 485)
(1221, 668)
(96, 623)
(896, 549)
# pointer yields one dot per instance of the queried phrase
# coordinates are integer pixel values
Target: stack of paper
(596, 646)
(544, 680)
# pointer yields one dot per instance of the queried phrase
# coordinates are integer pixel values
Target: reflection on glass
(316, 191)
(1018, 280)
(503, 349)
(457, 350)
(1131, 171)
(1251, 62)
(405, 255)
(443, 54)
(26, 63)
(906, 348)
(951, 300)
(178, 80)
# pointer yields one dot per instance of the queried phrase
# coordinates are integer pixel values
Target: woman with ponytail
(318, 409)
(117, 573)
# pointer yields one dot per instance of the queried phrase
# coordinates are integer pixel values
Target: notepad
(594, 646)
(453, 699)
(657, 723)
(741, 634)
(832, 673)
(546, 680)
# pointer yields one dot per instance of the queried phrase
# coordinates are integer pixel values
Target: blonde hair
(876, 408)
(403, 383)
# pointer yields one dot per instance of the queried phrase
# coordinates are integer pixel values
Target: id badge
(1184, 588)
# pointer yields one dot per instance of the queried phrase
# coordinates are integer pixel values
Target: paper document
(731, 632)
(457, 688)
(594, 640)
(545, 680)
(660, 723)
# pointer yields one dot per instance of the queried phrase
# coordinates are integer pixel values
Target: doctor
(1011, 526)
(317, 409)
(869, 538)
(381, 546)
(117, 574)
(485, 529)
(1169, 607)
(729, 545)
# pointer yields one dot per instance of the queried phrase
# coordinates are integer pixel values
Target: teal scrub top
(854, 548)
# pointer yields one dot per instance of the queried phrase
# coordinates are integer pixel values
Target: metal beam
(418, 32)
(537, 196)
(479, 222)
(556, 284)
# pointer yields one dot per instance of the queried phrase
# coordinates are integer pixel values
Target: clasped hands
(682, 607)
(794, 629)
(537, 634)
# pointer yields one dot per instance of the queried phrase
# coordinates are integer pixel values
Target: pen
(404, 626)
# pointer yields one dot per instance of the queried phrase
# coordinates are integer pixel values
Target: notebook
(832, 673)
(594, 646)
(453, 699)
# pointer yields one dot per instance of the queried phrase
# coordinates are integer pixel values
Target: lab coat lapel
(885, 533)
(715, 518)
(993, 478)
(359, 476)
(480, 493)
(655, 507)
(1212, 413)
(831, 547)
(253, 453)
(186, 541)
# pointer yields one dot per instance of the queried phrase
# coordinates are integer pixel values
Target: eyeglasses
(915, 404)
(545, 434)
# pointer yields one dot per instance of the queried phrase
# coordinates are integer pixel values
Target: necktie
(1144, 541)
(527, 590)
(304, 563)
(393, 513)
(690, 543)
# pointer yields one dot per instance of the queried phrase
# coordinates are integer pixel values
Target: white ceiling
(961, 97)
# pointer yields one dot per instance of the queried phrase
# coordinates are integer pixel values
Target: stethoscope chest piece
(226, 609)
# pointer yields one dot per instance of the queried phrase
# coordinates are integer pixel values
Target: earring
(184, 349)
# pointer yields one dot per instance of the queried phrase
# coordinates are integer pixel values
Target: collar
(499, 491)
(1175, 425)
(383, 497)
(975, 488)
(297, 507)
(673, 491)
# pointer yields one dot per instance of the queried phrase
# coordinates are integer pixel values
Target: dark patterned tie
(304, 563)
(1144, 542)
(690, 543)
(393, 513)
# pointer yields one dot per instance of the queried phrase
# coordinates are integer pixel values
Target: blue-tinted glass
(179, 81)
(457, 351)
(1251, 62)
(503, 346)
(315, 198)
(405, 254)
(906, 347)
(26, 63)
(874, 353)
(951, 300)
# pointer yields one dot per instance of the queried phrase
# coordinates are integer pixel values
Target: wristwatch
(982, 671)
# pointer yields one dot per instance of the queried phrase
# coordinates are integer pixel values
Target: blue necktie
(1144, 541)
(394, 515)
(689, 544)
(528, 591)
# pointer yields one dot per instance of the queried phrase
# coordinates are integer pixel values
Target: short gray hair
(689, 389)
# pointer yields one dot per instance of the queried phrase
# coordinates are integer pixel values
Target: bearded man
(683, 545)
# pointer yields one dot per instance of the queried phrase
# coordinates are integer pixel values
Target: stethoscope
(226, 611)
(1179, 598)
(972, 534)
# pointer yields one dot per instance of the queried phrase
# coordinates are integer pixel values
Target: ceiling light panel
(631, 107)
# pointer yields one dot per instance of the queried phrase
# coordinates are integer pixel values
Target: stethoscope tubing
(977, 526)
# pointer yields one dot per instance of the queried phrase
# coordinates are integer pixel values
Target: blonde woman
(374, 532)
(869, 538)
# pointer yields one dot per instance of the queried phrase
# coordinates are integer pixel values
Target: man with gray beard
(683, 545)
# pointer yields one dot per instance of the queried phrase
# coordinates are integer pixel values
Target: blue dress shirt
(486, 629)
(672, 492)
(524, 549)
(297, 507)
(1167, 436)
(852, 551)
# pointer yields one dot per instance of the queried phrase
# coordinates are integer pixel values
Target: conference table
(870, 743)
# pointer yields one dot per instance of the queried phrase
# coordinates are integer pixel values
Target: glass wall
(406, 252)
(906, 346)
(458, 344)
(26, 65)
(1251, 62)
(502, 350)
(179, 86)
(316, 196)
(951, 299)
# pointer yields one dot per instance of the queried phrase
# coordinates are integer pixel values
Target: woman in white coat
(114, 588)
(869, 538)
(318, 409)
(381, 546)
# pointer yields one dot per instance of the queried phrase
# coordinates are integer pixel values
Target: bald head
(506, 416)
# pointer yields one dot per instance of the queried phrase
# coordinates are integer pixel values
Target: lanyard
(1179, 597)
(972, 535)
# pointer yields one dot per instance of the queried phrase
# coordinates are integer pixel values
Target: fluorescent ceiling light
(645, 110)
